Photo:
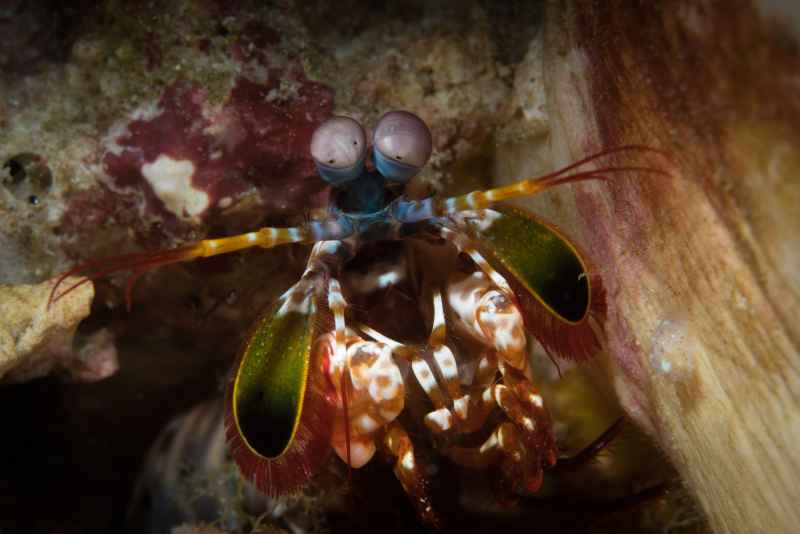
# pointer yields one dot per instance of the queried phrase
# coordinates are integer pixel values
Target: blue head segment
(402, 144)
(338, 147)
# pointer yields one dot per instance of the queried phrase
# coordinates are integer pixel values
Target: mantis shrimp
(311, 377)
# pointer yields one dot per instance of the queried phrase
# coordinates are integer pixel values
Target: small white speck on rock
(673, 349)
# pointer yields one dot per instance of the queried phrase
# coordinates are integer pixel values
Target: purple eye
(338, 147)
(403, 145)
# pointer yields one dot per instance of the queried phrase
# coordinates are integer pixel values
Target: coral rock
(34, 340)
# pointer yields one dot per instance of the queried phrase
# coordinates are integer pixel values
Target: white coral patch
(171, 180)
(119, 129)
(115, 133)
(147, 112)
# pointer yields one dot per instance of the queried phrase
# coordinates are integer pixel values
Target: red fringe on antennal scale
(310, 447)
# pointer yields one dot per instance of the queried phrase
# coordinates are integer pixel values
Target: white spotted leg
(484, 304)
(435, 369)
(456, 405)
(524, 445)
(377, 398)
(339, 372)
(398, 445)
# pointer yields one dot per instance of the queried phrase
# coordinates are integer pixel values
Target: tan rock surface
(702, 268)
(34, 338)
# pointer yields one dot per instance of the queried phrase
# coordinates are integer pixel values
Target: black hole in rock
(29, 178)
(31, 167)
(15, 169)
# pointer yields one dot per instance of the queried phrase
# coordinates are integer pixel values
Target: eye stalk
(403, 145)
(338, 147)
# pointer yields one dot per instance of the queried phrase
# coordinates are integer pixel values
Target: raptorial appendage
(559, 294)
(524, 444)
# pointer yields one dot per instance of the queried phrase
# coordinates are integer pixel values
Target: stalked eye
(338, 147)
(403, 145)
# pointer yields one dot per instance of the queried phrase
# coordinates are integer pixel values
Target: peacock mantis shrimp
(311, 378)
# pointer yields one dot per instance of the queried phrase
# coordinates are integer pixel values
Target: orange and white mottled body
(489, 316)
(375, 396)
(370, 389)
